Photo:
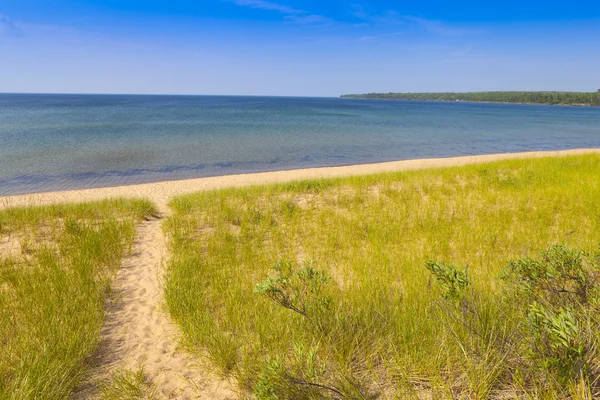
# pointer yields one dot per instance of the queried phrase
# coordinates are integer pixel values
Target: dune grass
(390, 286)
(128, 384)
(56, 263)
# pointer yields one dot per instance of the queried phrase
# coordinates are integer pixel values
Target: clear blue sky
(297, 47)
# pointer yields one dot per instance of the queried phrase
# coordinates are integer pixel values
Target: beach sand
(161, 192)
(137, 330)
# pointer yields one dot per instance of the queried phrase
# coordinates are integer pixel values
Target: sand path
(137, 330)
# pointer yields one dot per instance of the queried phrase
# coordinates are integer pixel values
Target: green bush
(453, 281)
(553, 302)
(558, 296)
(299, 290)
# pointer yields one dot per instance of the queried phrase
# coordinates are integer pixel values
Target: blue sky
(297, 47)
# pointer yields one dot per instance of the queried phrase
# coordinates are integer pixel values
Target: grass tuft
(128, 385)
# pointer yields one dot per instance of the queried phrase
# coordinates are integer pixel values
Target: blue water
(57, 142)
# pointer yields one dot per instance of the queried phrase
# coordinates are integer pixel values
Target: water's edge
(62, 142)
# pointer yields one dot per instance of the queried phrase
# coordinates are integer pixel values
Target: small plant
(297, 378)
(562, 275)
(558, 294)
(299, 290)
(454, 281)
(128, 385)
(558, 339)
(269, 380)
(553, 300)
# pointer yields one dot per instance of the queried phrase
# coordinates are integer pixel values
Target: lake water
(58, 142)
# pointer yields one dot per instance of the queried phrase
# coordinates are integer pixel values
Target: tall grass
(52, 289)
(381, 326)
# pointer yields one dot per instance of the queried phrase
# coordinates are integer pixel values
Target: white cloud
(267, 5)
(441, 28)
(359, 12)
(392, 17)
(308, 19)
(292, 14)
(8, 27)
(373, 37)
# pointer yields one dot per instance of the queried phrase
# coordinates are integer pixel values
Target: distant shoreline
(480, 102)
(572, 99)
(162, 192)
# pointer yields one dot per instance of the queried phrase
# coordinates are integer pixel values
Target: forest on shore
(553, 98)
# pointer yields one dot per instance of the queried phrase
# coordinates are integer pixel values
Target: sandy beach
(138, 330)
(161, 192)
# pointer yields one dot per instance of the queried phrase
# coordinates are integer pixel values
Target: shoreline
(482, 102)
(162, 192)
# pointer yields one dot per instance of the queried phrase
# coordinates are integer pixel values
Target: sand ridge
(137, 330)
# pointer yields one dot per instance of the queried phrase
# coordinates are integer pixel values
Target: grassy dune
(55, 269)
(352, 311)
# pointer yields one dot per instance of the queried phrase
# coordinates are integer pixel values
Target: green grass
(52, 289)
(380, 328)
(128, 385)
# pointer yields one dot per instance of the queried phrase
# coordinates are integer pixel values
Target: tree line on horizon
(553, 98)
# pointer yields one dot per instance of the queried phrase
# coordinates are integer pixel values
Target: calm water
(55, 142)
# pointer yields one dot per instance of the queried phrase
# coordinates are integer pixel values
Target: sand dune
(137, 330)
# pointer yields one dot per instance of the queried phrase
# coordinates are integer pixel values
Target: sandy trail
(138, 331)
